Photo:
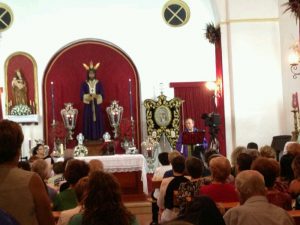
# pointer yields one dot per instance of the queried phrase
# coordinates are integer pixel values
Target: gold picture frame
(163, 117)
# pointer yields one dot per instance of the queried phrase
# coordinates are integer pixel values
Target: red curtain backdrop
(66, 72)
(198, 100)
(27, 66)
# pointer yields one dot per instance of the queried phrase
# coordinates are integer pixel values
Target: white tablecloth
(122, 163)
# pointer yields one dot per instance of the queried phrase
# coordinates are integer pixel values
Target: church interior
(227, 64)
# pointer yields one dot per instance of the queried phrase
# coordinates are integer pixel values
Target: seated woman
(219, 190)
(67, 199)
(189, 189)
(202, 210)
(294, 187)
(22, 193)
(80, 190)
(103, 203)
(269, 168)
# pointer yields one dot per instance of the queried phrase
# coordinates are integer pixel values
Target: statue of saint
(91, 95)
(19, 88)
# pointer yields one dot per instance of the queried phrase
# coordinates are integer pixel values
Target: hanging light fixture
(293, 6)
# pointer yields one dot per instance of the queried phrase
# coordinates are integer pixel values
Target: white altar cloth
(122, 163)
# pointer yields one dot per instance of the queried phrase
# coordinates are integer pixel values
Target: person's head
(249, 183)
(95, 165)
(210, 154)
(58, 167)
(81, 189)
(252, 145)
(189, 124)
(203, 210)
(25, 165)
(75, 170)
(293, 148)
(235, 153)
(178, 164)
(267, 151)
(163, 158)
(194, 167)
(243, 162)
(172, 155)
(39, 151)
(253, 153)
(103, 200)
(269, 168)
(220, 168)
(11, 139)
(286, 171)
(91, 74)
(41, 167)
(296, 166)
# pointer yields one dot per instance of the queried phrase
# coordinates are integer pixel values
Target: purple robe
(93, 126)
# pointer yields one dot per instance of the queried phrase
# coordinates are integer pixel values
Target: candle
(130, 100)
(52, 103)
(295, 103)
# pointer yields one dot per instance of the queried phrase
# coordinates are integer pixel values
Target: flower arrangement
(80, 151)
(213, 34)
(20, 110)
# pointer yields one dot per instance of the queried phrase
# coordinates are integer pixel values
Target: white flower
(80, 151)
(20, 110)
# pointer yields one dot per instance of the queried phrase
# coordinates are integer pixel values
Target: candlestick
(52, 103)
(130, 100)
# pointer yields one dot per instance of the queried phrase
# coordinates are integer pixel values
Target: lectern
(194, 141)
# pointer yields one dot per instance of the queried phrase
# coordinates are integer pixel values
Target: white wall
(254, 100)
(161, 53)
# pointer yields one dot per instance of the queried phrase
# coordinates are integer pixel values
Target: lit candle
(130, 100)
(52, 101)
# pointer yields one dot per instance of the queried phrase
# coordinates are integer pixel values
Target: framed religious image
(21, 103)
(162, 116)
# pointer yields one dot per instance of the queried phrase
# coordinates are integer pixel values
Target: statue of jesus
(91, 95)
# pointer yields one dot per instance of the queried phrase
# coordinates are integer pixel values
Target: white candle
(52, 101)
(130, 100)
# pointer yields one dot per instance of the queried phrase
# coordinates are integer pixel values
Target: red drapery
(198, 100)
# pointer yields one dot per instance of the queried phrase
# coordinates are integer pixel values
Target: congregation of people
(191, 191)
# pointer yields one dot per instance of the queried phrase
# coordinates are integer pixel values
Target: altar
(130, 170)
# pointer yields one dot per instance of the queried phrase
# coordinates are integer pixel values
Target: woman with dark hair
(203, 211)
(22, 193)
(189, 189)
(103, 204)
(269, 168)
(67, 199)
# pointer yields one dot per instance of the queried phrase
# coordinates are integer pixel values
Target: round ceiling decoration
(176, 13)
(6, 17)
